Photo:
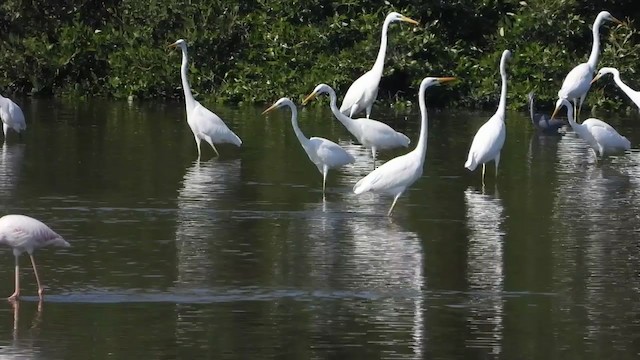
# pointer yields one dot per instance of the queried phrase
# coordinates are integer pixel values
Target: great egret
(11, 116)
(487, 143)
(26, 234)
(578, 81)
(602, 138)
(372, 134)
(542, 122)
(204, 124)
(632, 94)
(363, 92)
(394, 176)
(325, 154)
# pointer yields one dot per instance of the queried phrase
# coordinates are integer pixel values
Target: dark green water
(239, 257)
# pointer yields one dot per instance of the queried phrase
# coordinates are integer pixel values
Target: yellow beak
(617, 21)
(269, 109)
(308, 98)
(443, 80)
(554, 114)
(596, 78)
(409, 20)
(172, 46)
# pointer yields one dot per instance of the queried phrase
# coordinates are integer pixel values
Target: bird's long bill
(409, 20)
(554, 114)
(595, 78)
(309, 98)
(617, 21)
(443, 80)
(171, 46)
(269, 109)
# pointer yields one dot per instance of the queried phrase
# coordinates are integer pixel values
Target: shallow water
(241, 257)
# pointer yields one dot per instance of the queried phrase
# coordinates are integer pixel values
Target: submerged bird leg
(497, 161)
(373, 153)
(393, 204)
(483, 170)
(16, 293)
(197, 145)
(324, 179)
(35, 271)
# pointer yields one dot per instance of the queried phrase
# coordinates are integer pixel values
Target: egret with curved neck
(578, 81)
(489, 139)
(372, 134)
(632, 94)
(363, 92)
(602, 138)
(204, 124)
(397, 174)
(325, 154)
(542, 122)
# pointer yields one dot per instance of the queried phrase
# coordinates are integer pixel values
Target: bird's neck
(344, 119)
(572, 122)
(421, 148)
(378, 66)
(502, 106)
(595, 48)
(190, 102)
(296, 129)
(531, 110)
(624, 87)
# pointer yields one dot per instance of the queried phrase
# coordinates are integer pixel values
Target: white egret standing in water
(204, 123)
(602, 138)
(632, 94)
(363, 92)
(372, 134)
(397, 174)
(325, 154)
(578, 81)
(489, 139)
(26, 234)
(11, 116)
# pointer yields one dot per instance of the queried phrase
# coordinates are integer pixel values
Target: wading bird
(397, 174)
(11, 116)
(543, 122)
(602, 138)
(487, 143)
(372, 134)
(578, 81)
(632, 94)
(26, 234)
(363, 92)
(325, 154)
(204, 124)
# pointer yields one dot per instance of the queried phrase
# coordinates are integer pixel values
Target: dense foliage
(259, 50)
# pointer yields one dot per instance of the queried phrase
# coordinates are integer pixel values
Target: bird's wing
(488, 141)
(357, 92)
(16, 118)
(398, 172)
(210, 124)
(577, 82)
(606, 135)
(330, 153)
(26, 232)
(381, 134)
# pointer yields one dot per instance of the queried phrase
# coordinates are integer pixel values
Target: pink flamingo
(24, 233)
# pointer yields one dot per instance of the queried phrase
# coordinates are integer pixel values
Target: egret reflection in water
(207, 190)
(485, 270)
(11, 158)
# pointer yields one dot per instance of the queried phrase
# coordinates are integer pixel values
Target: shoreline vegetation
(258, 51)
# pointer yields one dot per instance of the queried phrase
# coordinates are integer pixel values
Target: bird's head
(559, 104)
(605, 71)
(278, 104)
(431, 81)
(605, 15)
(181, 43)
(394, 16)
(506, 55)
(530, 96)
(319, 90)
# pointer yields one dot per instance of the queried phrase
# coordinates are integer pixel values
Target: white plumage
(363, 92)
(204, 124)
(394, 176)
(11, 116)
(632, 94)
(325, 154)
(488, 141)
(372, 134)
(602, 138)
(578, 81)
(26, 234)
